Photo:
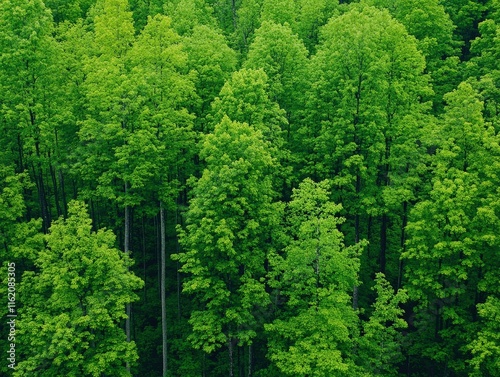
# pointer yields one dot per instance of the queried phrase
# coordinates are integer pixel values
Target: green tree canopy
(450, 233)
(73, 303)
(228, 236)
(315, 276)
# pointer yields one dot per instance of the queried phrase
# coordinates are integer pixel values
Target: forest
(250, 188)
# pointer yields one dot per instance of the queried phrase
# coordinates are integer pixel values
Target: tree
(189, 14)
(212, 61)
(279, 11)
(311, 15)
(283, 57)
(248, 15)
(72, 304)
(483, 66)
(381, 341)
(363, 112)
(110, 115)
(465, 14)
(109, 94)
(428, 21)
(164, 90)
(244, 98)
(484, 348)
(68, 10)
(228, 237)
(12, 206)
(28, 68)
(446, 261)
(158, 71)
(315, 277)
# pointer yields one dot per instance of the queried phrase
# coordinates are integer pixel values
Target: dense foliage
(251, 187)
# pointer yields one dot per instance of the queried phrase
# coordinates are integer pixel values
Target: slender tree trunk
(60, 177)
(95, 224)
(56, 190)
(383, 242)
(233, 8)
(126, 251)
(158, 252)
(162, 288)
(356, 121)
(356, 240)
(144, 277)
(43, 200)
(63, 192)
(177, 248)
(42, 197)
(20, 149)
(385, 218)
(403, 242)
(249, 360)
(369, 236)
(203, 367)
(75, 190)
(318, 255)
(231, 357)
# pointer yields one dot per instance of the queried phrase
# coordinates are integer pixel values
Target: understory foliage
(251, 187)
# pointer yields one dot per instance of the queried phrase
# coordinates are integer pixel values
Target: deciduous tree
(73, 303)
(315, 277)
(228, 238)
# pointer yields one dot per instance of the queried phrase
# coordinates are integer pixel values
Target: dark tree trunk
(383, 242)
(231, 357)
(126, 251)
(56, 189)
(162, 289)
(403, 242)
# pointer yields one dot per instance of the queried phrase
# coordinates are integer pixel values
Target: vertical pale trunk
(162, 289)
